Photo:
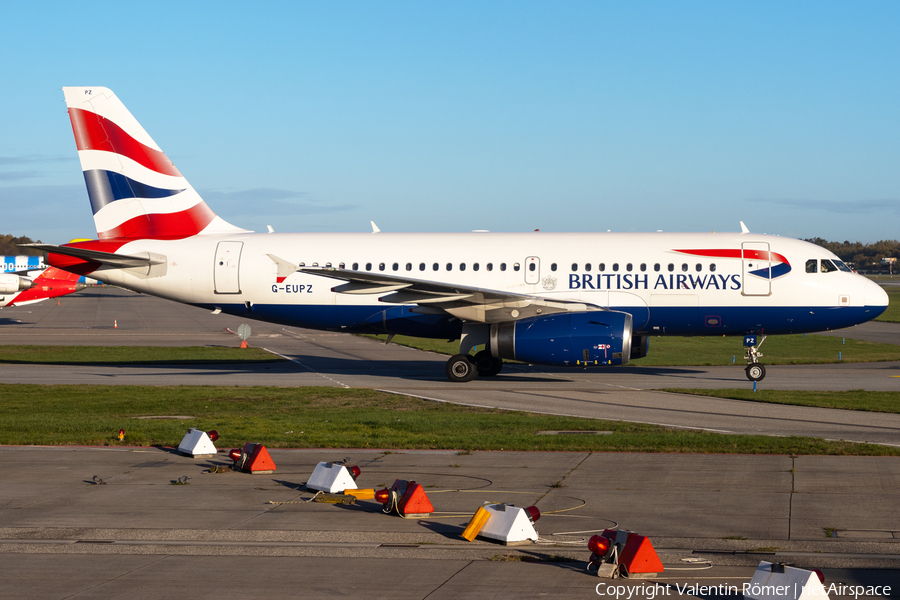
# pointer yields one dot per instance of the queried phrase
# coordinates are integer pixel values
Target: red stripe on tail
(163, 226)
(93, 132)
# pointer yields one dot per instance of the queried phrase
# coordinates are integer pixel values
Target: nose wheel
(755, 371)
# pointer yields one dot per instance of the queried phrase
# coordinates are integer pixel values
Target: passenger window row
(629, 267)
(643, 267)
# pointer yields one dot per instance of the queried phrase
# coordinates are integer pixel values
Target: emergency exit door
(226, 272)
(757, 271)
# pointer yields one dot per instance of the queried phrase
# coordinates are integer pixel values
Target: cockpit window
(842, 266)
(828, 266)
(812, 266)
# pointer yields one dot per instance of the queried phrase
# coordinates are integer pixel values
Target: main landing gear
(755, 371)
(462, 367)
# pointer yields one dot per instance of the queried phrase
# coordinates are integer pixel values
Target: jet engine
(10, 284)
(601, 337)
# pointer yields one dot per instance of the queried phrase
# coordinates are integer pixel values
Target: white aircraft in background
(574, 299)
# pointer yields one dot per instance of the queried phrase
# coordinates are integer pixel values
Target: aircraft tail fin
(135, 190)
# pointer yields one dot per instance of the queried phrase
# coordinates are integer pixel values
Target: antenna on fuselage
(744, 228)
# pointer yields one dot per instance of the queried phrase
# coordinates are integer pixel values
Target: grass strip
(718, 351)
(131, 355)
(887, 402)
(892, 314)
(344, 418)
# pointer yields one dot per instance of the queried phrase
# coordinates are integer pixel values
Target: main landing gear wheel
(487, 365)
(755, 372)
(461, 368)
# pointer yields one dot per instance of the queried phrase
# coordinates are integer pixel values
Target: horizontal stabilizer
(109, 259)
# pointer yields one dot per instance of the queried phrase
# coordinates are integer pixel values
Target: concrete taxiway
(234, 535)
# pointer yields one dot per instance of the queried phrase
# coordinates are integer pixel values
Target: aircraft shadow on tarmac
(518, 373)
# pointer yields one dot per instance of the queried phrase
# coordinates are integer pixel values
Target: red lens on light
(234, 454)
(213, 435)
(533, 513)
(382, 496)
(599, 545)
(354, 472)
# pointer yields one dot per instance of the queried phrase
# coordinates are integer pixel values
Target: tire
(487, 365)
(755, 372)
(460, 368)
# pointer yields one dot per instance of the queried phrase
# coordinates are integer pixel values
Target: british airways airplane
(569, 299)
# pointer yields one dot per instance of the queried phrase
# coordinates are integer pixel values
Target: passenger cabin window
(516, 266)
(574, 267)
(532, 267)
(356, 266)
(395, 266)
(303, 264)
(553, 266)
(341, 265)
(656, 267)
(381, 266)
(587, 266)
(602, 267)
(368, 266)
(328, 265)
(475, 267)
(712, 267)
(409, 266)
(643, 266)
(502, 266)
(812, 265)
(628, 267)
(699, 267)
(615, 266)
(449, 266)
(684, 267)
(421, 266)
(462, 266)
(435, 267)
(671, 267)
(489, 266)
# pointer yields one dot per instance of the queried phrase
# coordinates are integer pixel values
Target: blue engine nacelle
(601, 337)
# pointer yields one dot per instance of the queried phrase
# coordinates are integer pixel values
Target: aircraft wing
(468, 303)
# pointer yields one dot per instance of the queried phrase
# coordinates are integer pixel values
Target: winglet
(375, 227)
(744, 228)
(284, 268)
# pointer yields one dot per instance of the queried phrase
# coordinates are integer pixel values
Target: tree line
(8, 246)
(859, 255)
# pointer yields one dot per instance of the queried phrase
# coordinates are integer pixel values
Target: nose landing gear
(754, 370)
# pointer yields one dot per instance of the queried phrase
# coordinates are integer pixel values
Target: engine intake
(600, 337)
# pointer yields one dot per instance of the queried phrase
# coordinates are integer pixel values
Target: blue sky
(454, 116)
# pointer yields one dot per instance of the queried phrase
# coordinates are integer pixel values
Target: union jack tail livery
(135, 190)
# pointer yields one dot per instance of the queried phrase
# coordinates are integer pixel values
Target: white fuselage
(672, 283)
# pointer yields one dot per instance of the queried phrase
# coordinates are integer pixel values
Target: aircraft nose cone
(875, 295)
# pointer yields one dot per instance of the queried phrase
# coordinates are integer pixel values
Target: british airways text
(635, 281)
